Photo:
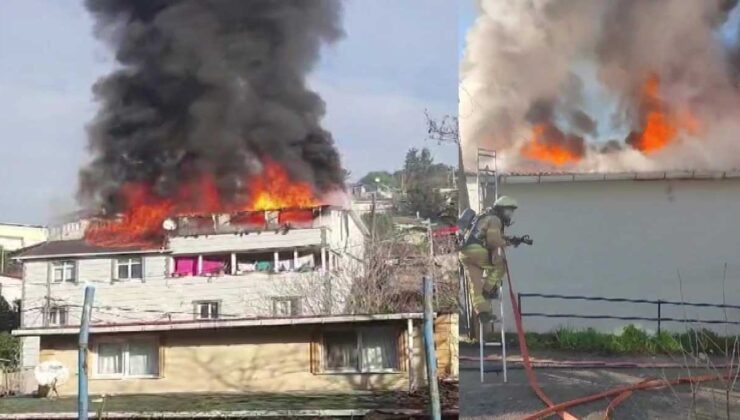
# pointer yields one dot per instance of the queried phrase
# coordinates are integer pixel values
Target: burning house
(615, 127)
(219, 242)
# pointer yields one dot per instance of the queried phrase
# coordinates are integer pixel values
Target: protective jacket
(487, 231)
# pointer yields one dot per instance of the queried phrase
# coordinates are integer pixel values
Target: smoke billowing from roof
(209, 87)
(672, 81)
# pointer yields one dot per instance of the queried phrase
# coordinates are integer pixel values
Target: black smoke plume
(209, 86)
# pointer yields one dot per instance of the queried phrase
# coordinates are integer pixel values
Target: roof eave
(216, 324)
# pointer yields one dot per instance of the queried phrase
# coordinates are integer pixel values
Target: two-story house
(254, 301)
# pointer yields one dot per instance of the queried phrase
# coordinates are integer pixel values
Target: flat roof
(214, 324)
(25, 225)
(543, 177)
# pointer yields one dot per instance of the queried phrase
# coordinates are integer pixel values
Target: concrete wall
(13, 237)
(257, 359)
(10, 289)
(658, 239)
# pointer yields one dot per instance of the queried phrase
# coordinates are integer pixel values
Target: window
(63, 271)
(132, 359)
(364, 350)
(286, 306)
(206, 310)
(58, 315)
(128, 268)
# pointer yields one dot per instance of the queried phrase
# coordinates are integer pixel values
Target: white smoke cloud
(522, 57)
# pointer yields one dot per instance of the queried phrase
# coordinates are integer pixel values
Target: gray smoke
(209, 86)
(522, 54)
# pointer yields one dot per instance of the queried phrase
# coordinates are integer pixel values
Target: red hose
(621, 392)
(531, 378)
(643, 385)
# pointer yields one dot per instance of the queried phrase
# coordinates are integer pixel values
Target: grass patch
(631, 340)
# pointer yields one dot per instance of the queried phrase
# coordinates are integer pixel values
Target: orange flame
(660, 125)
(539, 149)
(140, 224)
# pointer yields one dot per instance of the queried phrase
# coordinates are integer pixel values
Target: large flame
(539, 148)
(140, 224)
(661, 124)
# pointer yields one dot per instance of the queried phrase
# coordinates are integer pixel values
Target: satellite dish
(51, 373)
(169, 225)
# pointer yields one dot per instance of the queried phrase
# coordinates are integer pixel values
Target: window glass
(340, 350)
(378, 349)
(136, 272)
(110, 358)
(142, 358)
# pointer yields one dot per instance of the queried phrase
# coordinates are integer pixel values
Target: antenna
(49, 374)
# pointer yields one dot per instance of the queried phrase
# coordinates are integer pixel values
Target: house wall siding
(161, 298)
(247, 242)
(243, 360)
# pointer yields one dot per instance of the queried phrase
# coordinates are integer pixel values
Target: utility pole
(429, 350)
(82, 393)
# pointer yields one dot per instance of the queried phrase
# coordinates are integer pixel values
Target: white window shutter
(113, 270)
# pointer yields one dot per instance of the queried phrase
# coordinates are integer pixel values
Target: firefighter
(481, 257)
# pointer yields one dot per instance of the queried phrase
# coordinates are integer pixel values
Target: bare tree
(447, 130)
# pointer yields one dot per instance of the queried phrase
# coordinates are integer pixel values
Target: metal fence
(658, 304)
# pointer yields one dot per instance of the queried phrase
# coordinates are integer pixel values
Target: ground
(380, 402)
(513, 400)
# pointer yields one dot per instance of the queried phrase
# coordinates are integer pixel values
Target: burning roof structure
(599, 86)
(208, 112)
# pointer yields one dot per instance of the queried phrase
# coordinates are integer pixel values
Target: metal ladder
(487, 171)
(482, 344)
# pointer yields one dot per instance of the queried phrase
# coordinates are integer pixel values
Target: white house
(672, 236)
(14, 236)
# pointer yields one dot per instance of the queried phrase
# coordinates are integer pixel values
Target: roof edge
(216, 324)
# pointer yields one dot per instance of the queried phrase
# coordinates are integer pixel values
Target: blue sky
(397, 59)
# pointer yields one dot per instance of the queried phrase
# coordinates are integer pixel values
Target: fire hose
(620, 393)
(531, 377)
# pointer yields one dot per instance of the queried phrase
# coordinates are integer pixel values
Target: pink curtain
(186, 266)
(212, 266)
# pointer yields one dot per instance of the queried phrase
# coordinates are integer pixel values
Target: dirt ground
(495, 399)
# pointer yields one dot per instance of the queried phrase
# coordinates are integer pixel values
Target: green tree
(422, 180)
(9, 316)
(383, 177)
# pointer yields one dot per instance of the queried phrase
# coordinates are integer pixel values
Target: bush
(9, 351)
(631, 340)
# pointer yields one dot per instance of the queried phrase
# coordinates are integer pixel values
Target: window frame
(62, 264)
(359, 332)
(197, 312)
(61, 311)
(130, 262)
(125, 344)
(295, 305)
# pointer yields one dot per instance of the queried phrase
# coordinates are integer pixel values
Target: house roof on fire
(79, 247)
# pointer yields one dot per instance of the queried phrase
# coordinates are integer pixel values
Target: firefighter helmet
(505, 201)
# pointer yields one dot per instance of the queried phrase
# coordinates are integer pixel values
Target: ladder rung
(493, 344)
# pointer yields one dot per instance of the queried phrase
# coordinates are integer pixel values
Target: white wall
(10, 289)
(13, 237)
(627, 239)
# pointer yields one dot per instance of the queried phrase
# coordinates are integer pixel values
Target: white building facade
(673, 237)
(16, 236)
